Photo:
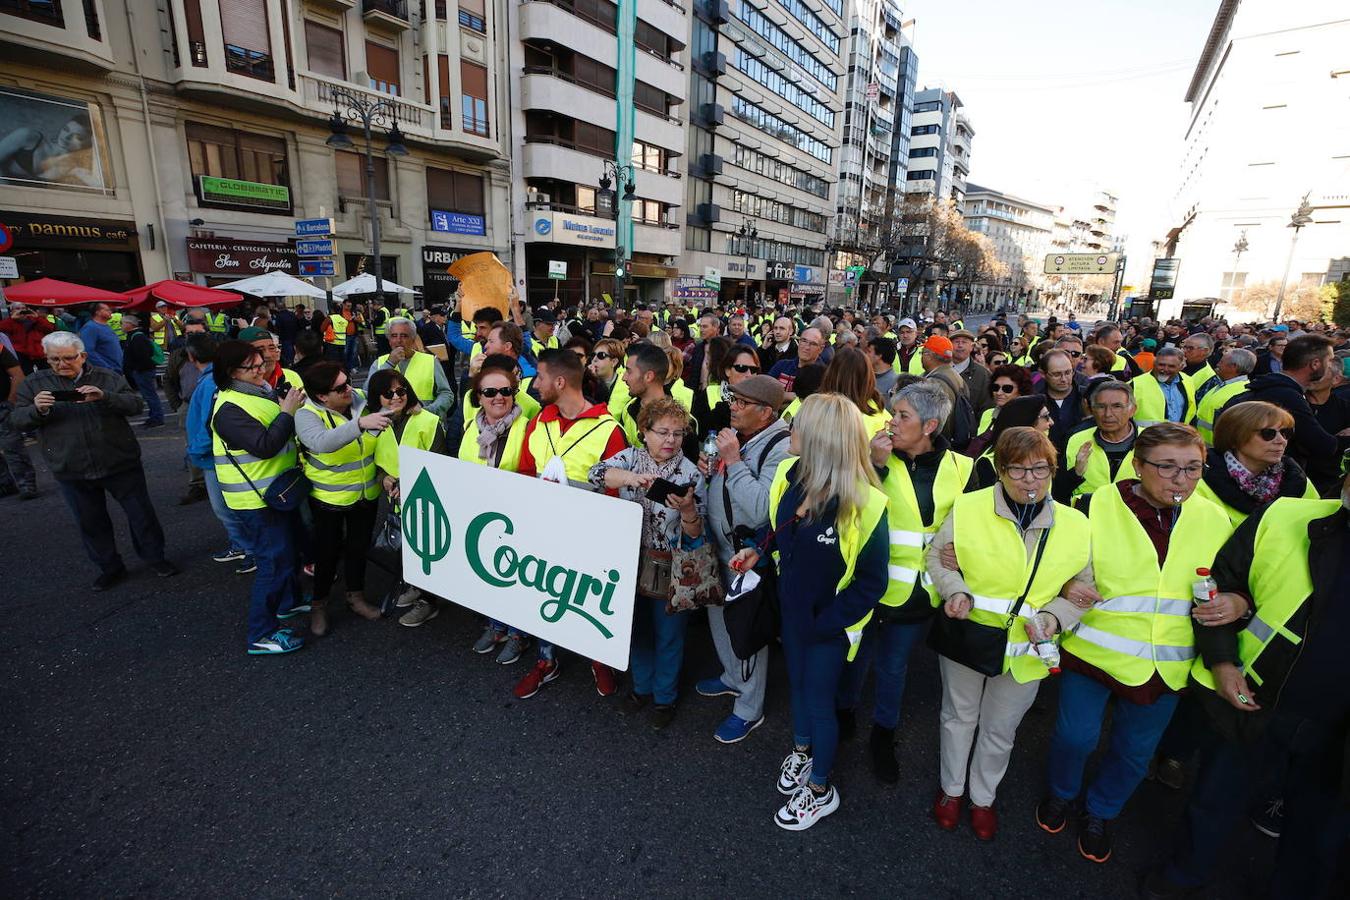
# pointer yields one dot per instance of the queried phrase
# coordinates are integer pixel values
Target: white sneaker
(806, 808)
(796, 769)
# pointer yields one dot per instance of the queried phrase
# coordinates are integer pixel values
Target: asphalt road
(143, 753)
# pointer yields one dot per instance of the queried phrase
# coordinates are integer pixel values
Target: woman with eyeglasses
(1135, 644)
(253, 442)
(827, 515)
(1247, 466)
(711, 409)
(1006, 382)
(999, 563)
(606, 364)
(494, 437)
(338, 438)
(658, 634)
(409, 426)
(1020, 412)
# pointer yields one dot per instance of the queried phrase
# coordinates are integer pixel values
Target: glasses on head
(1172, 470)
(342, 388)
(744, 368)
(666, 434)
(489, 393)
(1269, 434)
(1038, 471)
(1004, 388)
(394, 392)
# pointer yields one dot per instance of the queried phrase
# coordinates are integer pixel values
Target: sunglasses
(1004, 388)
(1269, 434)
(1074, 353)
(740, 367)
(340, 388)
(494, 392)
(603, 356)
(394, 392)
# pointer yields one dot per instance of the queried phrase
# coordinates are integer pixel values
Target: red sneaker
(544, 671)
(984, 822)
(947, 811)
(605, 685)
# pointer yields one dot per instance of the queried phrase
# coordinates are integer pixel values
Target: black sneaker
(884, 764)
(848, 723)
(1052, 814)
(164, 568)
(635, 703)
(662, 715)
(1094, 839)
(1268, 816)
(108, 579)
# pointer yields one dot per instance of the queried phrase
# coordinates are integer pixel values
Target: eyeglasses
(253, 367)
(489, 393)
(665, 435)
(1038, 471)
(742, 402)
(603, 356)
(53, 360)
(809, 343)
(394, 392)
(1109, 407)
(1073, 353)
(1269, 434)
(1171, 470)
(340, 388)
(740, 367)
(1004, 388)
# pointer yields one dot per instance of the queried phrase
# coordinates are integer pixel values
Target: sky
(1064, 96)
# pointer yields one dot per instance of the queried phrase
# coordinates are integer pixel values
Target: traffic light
(620, 269)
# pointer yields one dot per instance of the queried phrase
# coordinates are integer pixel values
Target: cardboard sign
(483, 281)
(485, 539)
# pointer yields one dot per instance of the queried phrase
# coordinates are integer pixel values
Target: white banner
(554, 561)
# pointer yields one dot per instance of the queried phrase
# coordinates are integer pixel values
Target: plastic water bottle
(710, 451)
(1204, 588)
(1049, 654)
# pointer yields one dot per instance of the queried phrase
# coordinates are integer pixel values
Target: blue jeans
(145, 383)
(890, 644)
(1135, 732)
(271, 539)
(350, 353)
(657, 650)
(815, 669)
(1296, 750)
(229, 518)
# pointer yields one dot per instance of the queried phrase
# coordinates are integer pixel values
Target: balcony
(46, 34)
(391, 14)
(660, 240)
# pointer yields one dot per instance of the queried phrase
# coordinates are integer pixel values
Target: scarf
(253, 390)
(1262, 487)
(654, 515)
(490, 434)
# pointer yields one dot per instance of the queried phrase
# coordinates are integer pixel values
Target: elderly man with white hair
(80, 413)
(423, 371)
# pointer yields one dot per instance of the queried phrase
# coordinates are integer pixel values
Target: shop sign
(566, 228)
(457, 222)
(692, 287)
(245, 193)
(31, 231)
(712, 277)
(804, 275)
(437, 283)
(227, 256)
(779, 271)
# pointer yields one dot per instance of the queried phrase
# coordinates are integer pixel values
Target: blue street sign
(317, 247)
(313, 227)
(312, 267)
(457, 223)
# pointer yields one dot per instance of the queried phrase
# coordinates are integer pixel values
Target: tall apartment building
(1261, 135)
(1021, 232)
(939, 149)
(766, 97)
(182, 138)
(593, 92)
(879, 103)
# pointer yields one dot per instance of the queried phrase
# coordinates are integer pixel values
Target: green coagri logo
(426, 530)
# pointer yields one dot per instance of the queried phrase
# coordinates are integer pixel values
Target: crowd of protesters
(1153, 513)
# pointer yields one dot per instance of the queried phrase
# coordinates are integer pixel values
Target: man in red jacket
(25, 330)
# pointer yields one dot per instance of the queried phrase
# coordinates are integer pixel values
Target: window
(595, 75)
(649, 212)
(924, 129)
(928, 106)
(238, 155)
(46, 11)
(919, 152)
(651, 99)
(351, 176)
(594, 139)
(326, 54)
(784, 88)
(653, 40)
(447, 106)
(1233, 283)
(196, 32)
(473, 97)
(772, 125)
(649, 157)
(382, 69)
(248, 44)
(472, 15)
(586, 198)
(455, 191)
(921, 175)
(813, 23)
(761, 25)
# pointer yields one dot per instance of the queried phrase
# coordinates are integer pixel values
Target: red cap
(939, 345)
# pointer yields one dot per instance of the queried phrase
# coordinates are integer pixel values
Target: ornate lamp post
(616, 174)
(748, 232)
(1302, 216)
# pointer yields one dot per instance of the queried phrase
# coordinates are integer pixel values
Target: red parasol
(180, 293)
(49, 292)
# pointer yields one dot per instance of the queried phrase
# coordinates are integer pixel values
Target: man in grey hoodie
(748, 454)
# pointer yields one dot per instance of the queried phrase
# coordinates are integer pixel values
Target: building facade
(939, 148)
(1020, 232)
(1258, 140)
(183, 139)
(766, 96)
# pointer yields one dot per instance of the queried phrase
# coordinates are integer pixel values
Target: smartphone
(662, 488)
(68, 396)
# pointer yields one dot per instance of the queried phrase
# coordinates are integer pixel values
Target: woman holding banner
(668, 516)
(829, 531)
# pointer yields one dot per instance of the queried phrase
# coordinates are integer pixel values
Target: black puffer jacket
(82, 440)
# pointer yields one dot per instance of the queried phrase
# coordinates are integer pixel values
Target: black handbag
(754, 619)
(285, 493)
(973, 644)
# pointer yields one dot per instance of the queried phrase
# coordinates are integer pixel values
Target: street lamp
(1302, 216)
(748, 233)
(616, 174)
(1239, 248)
(370, 113)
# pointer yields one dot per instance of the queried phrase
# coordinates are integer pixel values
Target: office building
(1020, 232)
(1259, 138)
(939, 148)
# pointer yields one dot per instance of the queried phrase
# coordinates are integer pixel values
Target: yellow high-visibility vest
(580, 448)
(515, 441)
(909, 535)
(339, 325)
(1214, 401)
(420, 433)
(1098, 470)
(1151, 403)
(234, 482)
(346, 475)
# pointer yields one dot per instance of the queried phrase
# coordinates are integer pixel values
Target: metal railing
(396, 8)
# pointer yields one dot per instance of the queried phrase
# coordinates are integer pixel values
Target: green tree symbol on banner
(426, 527)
